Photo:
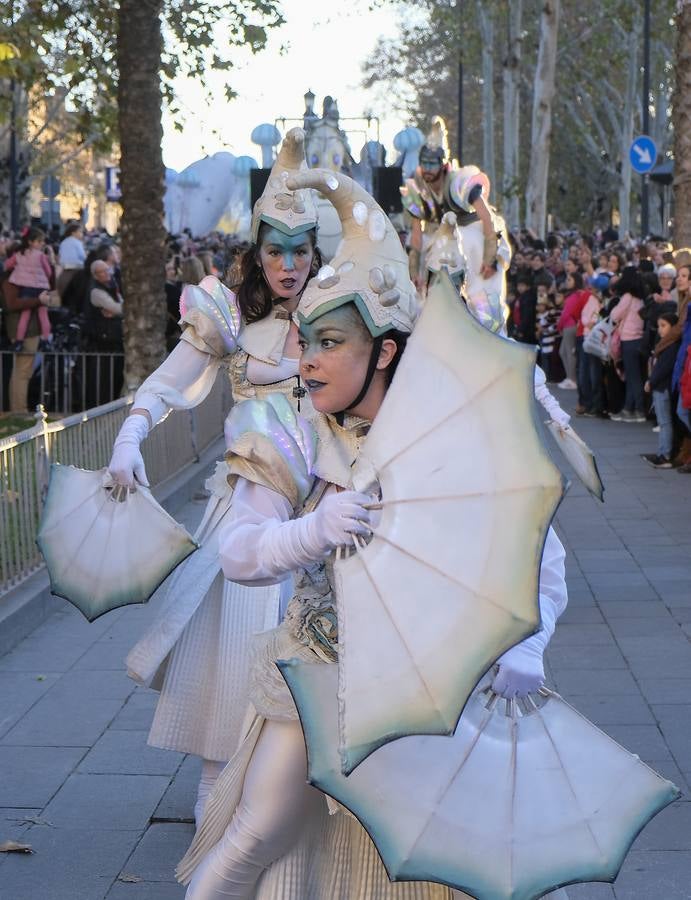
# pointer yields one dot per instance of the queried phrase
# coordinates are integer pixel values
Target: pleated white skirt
(196, 652)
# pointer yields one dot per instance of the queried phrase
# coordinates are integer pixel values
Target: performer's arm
(489, 255)
(415, 253)
(521, 669)
(181, 381)
(262, 544)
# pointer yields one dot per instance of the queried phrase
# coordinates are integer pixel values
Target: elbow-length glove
(334, 523)
(126, 465)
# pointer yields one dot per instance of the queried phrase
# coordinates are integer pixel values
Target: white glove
(338, 517)
(520, 673)
(127, 464)
(312, 537)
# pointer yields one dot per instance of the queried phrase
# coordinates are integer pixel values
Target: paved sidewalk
(109, 817)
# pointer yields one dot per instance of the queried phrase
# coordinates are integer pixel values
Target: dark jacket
(661, 375)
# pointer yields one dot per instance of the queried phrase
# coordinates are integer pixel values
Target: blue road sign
(643, 154)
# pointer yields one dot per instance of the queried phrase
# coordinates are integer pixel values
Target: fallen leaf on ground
(130, 879)
(34, 820)
(14, 847)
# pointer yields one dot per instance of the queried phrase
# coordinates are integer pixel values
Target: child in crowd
(547, 333)
(659, 383)
(31, 273)
(523, 310)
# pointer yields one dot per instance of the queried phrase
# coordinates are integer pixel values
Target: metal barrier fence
(85, 440)
(63, 381)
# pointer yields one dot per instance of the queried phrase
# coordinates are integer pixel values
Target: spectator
(660, 384)
(523, 310)
(630, 325)
(71, 255)
(683, 413)
(662, 299)
(590, 370)
(103, 336)
(31, 273)
(568, 325)
(540, 273)
(548, 336)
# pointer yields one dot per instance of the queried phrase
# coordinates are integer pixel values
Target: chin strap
(371, 369)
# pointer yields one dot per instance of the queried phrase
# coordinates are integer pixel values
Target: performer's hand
(339, 516)
(519, 678)
(488, 271)
(127, 464)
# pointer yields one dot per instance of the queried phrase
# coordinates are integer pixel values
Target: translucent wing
(449, 580)
(104, 547)
(508, 808)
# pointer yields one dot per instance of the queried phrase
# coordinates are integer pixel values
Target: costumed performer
(195, 652)
(265, 833)
(446, 253)
(438, 188)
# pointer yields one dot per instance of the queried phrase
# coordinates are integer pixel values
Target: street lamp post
(459, 142)
(645, 117)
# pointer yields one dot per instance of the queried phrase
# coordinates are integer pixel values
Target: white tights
(211, 769)
(275, 799)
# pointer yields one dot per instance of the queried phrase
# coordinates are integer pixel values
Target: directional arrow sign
(643, 154)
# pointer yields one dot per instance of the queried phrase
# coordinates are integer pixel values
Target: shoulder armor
(210, 317)
(270, 444)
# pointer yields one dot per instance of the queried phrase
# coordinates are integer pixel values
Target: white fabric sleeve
(182, 381)
(550, 403)
(553, 599)
(250, 544)
(262, 544)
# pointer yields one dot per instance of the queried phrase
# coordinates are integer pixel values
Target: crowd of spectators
(611, 322)
(62, 293)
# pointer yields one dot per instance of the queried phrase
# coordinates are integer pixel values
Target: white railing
(85, 440)
(65, 381)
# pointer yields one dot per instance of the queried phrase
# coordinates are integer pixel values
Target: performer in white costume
(195, 654)
(265, 833)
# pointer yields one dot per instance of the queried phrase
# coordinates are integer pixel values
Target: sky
(327, 43)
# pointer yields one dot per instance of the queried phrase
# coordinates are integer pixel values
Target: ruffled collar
(266, 338)
(338, 447)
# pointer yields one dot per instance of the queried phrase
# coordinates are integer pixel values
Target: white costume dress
(325, 856)
(265, 833)
(194, 653)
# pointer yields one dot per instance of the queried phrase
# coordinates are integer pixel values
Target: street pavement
(109, 817)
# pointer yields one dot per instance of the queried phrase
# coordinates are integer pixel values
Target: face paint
(286, 262)
(431, 162)
(335, 358)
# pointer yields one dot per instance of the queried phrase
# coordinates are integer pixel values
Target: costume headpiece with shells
(437, 141)
(370, 268)
(289, 210)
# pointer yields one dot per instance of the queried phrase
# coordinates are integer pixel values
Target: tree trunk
(630, 96)
(681, 121)
(512, 106)
(485, 15)
(541, 131)
(139, 50)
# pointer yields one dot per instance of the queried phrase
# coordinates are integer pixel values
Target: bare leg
(275, 800)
